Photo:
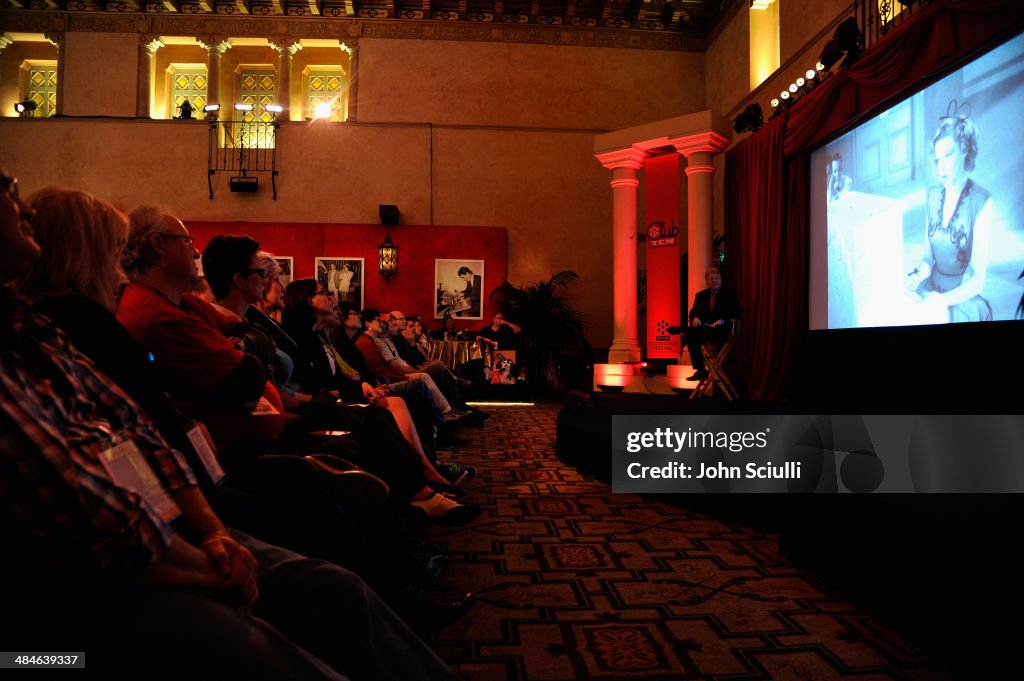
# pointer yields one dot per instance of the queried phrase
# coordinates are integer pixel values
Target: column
(624, 165)
(353, 78)
(56, 38)
(215, 49)
(148, 46)
(284, 73)
(699, 151)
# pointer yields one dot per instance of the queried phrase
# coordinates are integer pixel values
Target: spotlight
(775, 102)
(751, 119)
(25, 108)
(811, 73)
(185, 110)
(211, 107)
(784, 94)
(274, 108)
(243, 107)
(323, 110)
(819, 67)
(851, 40)
(793, 88)
(244, 183)
(847, 39)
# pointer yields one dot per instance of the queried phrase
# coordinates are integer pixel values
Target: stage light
(800, 82)
(274, 108)
(246, 184)
(784, 94)
(243, 107)
(209, 108)
(847, 39)
(25, 108)
(811, 73)
(775, 102)
(751, 119)
(185, 110)
(819, 67)
(792, 88)
(323, 110)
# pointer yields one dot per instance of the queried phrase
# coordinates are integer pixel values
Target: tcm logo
(659, 235)
(662, 332)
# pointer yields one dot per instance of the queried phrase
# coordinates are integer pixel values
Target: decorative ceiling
(694, 19)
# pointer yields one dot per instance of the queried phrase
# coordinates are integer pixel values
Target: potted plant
(549, 322)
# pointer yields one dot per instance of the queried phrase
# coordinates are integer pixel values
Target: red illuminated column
(699, 151)
(624, 165)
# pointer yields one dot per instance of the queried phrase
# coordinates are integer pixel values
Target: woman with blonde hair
(82, 238)
(76, 283)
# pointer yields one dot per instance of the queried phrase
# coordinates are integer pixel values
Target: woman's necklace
(957, 233)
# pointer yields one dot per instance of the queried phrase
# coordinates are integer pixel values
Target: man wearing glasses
(187, 334)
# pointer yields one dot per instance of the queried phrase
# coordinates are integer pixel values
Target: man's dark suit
(726, 306)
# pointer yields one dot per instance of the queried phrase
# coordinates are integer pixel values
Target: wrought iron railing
(877, 17)
(244, 149)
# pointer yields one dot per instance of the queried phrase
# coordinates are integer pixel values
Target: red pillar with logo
(663, 232)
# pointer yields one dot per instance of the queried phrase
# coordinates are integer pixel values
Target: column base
(624, 353)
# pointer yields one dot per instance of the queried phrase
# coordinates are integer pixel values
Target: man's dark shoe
(699, 376)
(676, 330)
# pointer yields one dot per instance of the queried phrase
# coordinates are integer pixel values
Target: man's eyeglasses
(184, 237)
(9, 185)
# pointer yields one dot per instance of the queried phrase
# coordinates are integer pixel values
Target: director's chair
(715, 354)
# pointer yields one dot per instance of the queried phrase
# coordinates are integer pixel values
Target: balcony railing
(244, 149)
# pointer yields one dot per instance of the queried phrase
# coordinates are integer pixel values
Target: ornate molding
(282, 27)
(630, 158)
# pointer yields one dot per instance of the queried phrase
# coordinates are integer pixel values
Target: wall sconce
(387, 252)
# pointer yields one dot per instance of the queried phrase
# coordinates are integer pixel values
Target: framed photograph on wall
(286, 264)
(343, 277)
(458, 288)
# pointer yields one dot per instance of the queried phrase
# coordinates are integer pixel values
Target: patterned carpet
(575, 582)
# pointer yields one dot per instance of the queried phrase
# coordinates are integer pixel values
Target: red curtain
(767, 213)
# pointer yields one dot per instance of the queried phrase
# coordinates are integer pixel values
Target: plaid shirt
(57, 416)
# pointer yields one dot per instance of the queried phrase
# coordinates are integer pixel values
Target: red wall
(412, 290)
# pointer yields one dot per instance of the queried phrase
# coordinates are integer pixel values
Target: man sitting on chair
(709, 318)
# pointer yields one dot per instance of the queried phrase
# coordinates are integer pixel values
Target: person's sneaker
(439, 508)
(456, 473)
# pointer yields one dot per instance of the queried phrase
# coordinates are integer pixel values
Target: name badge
(200, 439)
(129, 470)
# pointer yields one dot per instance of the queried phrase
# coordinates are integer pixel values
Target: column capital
(707, 142)
(150, 43)
(631, 158)
(214, 44)
(283, 45)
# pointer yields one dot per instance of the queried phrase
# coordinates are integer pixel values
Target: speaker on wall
(388, 215)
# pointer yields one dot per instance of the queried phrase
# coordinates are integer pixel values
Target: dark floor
(577, 582)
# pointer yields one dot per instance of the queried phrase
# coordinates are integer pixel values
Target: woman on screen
(952, 272)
